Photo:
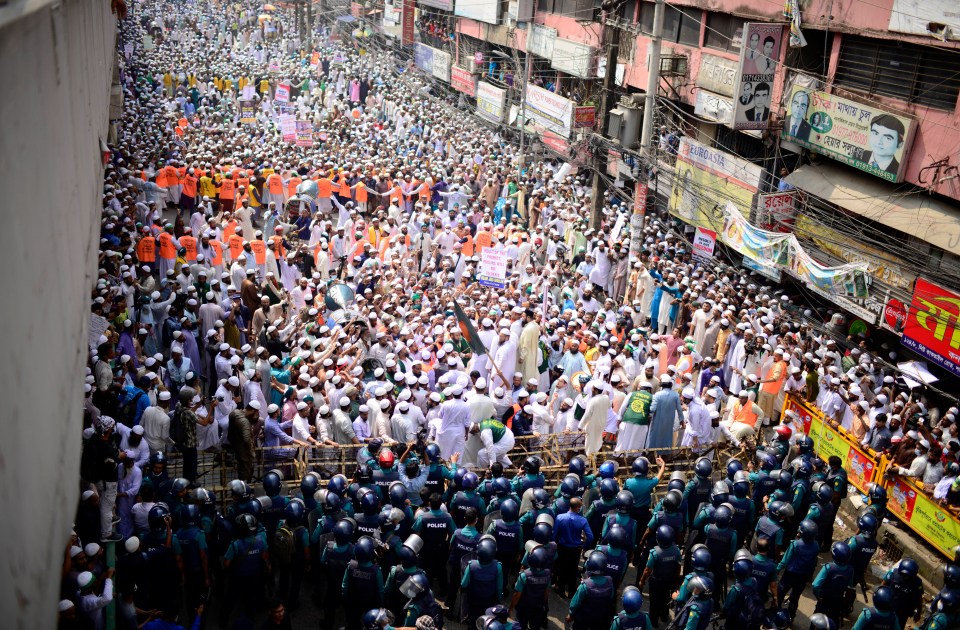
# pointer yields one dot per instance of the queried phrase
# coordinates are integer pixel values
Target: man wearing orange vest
(168, 246)
(227, 193)
(147, 250)
(212, 251)
(235, 243)
(173, 183)
(292, 184)
(741, 422)
(277, 245)
(772, 383)
(189, 243)
(273, 190)
(188, 196)
(259, 248)
(325, 188)
(360, 194)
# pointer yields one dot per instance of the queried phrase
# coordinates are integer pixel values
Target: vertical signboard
(490, 101)
(409, 23)
(933, 325)
(758, 66)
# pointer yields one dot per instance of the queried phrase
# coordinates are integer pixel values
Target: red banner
(584, 117)
(902, 501)
(463, 81)
(932, 328)
(409, 24)
(355, 9)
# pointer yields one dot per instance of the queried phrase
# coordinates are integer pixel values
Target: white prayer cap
(234, 381)
(164, 395)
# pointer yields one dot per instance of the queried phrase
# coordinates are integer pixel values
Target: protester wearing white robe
(594, 419)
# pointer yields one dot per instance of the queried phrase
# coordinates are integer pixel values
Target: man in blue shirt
(571, 533)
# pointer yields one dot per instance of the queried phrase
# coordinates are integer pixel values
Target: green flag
(468, 331)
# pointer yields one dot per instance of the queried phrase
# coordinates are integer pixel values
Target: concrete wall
(57, 63)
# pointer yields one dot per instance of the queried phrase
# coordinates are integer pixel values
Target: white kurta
(594, 421)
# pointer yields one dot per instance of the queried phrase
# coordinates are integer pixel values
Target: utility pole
(310, 26)
(524, 78)
(646, 134)
(611, 44)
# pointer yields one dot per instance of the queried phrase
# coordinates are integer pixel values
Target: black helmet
(868, 524)
(742, 568)
(309, 484)
(617, 536)
(179, 486)
(542, 533)
(840, 552)
(415, 585)
(157, 457)
(368, 500)
(701, 584)
(295, 512)
(272, 483)
(470, 481)
(805, 444)
(540, 498)
(784, 480)
(398, 494)
(719, 493)
(343, 531)
(569, 486)
(823, 491)
(365, 549)
(577, 466)
(951, 575)
(703, 467)
(768, 461)
(819, 621)
(239, 489)
(191, 514)
(538, 558)
(883, 598)
(487, 549)
(500, 486)
(733, 467)
(338, 485)
(364, 473)
(808, 530)
(596, 563)
(609, 489)
(531, 465)
(908, 567)
(407, 557)
(376, 619)
(640, 466)
(247, 524)
(672, 501)
(804, 469)
(723, 515)
(665, 536)
(433, 452)
(509, 510)
(624, 501)
(702, 559)
(157, 515)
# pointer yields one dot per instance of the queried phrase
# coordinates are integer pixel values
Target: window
(916, 74)
(724, 32)
(646, 18)
(682, 26)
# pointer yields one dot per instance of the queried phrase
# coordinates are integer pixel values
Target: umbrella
(264, 18)
(269, 7)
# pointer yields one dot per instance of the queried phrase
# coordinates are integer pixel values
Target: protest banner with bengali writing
(304, 133)
(922, 514)
(248, 112)
(282, 95)
(288, 127)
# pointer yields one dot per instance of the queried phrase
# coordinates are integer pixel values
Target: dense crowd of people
(262, 297)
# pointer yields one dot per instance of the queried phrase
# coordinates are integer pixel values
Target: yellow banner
(828, 442)
(940, 528)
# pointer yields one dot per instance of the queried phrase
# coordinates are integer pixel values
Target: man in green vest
(634, 416)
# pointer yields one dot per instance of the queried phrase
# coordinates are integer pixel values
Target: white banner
(704, 242)
(282, 95)
(493, 267)
(490, 101)
(549, 110)
(441, 65)
(541, 41)
(481, 10)
(574, 58)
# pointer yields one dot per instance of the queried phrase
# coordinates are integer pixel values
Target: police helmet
(677, 482)
(804, 469)
(538, 558)
(908, 567)
(883, 598)
(781, 620)
(868, 524)
(542, 533)
(719, 493)
(950, 600)
(191, 514)
(545, 518)
(823, 491)
(781, 511)
(309, 484)
(272, 482)
(487, 549)
(703, 467)
(247, 524)
(343, 531)
(338, 485)
(741, 484)
(596, 563)
(500, 486)
(723, 515)
(295, 512)
(470, 481)
(157, 515)
(733, 467)
(376, 619)
(951, 575)
(458, 477)
(569, 486)
(624, 501)
(743, 554)
(531, 465)
(808, 530)
(877, 493)
(364, 473)
(608, 469)
(767, 461)
(617, 536)
(407, 557)
(509, 510)
(783, 432)
(433, 452)
(386, 458)
(805, 444)
(784, 480)
(238, 489)
(665, 536)
(632, 600)
(672, 501)
(608, 489)
(157, 457)
(742, 568)
(331, 503)
(398, 494)
(840, 552)
(701, 559)
(179, 485)
(368, 500)
(540, 498)
(365, 549)
(819, 621)
(203, 496)
(640, 466)
(702, 585)
(415, 585)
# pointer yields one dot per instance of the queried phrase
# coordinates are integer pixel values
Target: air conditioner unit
(615, 124)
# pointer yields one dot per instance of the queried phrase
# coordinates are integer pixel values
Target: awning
(915, 214)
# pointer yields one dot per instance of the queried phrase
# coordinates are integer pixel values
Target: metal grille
(469, 47)
(915, 74)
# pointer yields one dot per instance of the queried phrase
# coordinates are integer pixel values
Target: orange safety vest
(228, 188)
(190, 186)
(276, 244)
(779, 371)
(167, 250)
(173, 177)
(230, 229)
(375, 236)
(744, 413)
(292, 184)
(388, 243)
(275, 184)
(147, 250)
(361, 192)
(468, 245)
(324, 188)
(189, 243)
(396, 197)
(242, 184)
(259, 251)
(425, 192)
(344, 190)
(235, 243)
(217, 248)
(162, 178)
(181, 173)
(484, 239)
